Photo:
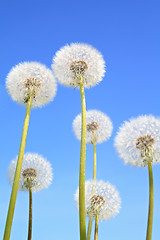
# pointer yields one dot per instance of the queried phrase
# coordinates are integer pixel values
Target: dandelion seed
(139, 141)
(31, 79)
(78, 62)
(102, 199)
(36, 173)
(99, 127)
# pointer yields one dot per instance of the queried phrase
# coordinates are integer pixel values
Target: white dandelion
(36, 172)
(98, 129)
(138, 141)
(101, 199)
(33, 85)
(78, 62)
(98, 126)
(31, 79)
(80, 66)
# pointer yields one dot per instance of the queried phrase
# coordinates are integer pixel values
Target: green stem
(30, 215)
(96, 228)
(94, 160)
(12, 203)
(89, 229)
(82, 213)
(150, 211)
(94, 177)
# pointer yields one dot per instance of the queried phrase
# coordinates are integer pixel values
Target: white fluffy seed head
(101, 198)
(31, 79)
(98, 126)
(138, 141)
(77, 63)
(36, 172)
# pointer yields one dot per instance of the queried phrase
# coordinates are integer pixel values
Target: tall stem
(150, 211)
(30, 215)
(94, 177)
(82, 217)
(12, 203)
(94, 160)
(96, 228)
(89, 229)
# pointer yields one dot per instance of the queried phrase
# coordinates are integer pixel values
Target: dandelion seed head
(101, 198)
(77, 63)
(138, 141)
(78, 68)
(92, 127)
(29, 175)
(96, 203)
(36, 172)
(98, 126)
(31, 79)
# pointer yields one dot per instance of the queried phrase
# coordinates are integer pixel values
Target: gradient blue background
(127, 33)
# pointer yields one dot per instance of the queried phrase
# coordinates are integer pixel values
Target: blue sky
(127, 34)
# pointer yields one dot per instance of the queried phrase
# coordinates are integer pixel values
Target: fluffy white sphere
(98, 126)
(31, 79)
(138, 140)
(101, 198)
(36, 165)
(78, 61)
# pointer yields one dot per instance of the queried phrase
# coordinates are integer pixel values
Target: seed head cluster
(98, 126)
(36, 172)
(101, 198)
(29, 175)
(78, 68)
(145, 144)
(138, 141)
(78, 63)
(31, 79)
(96, 203)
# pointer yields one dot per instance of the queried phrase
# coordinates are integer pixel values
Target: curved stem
(30, 215)
(82, 217)
(150, 211)
(89, 229)
(12, 203)
(96, 228)
(94, 160)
